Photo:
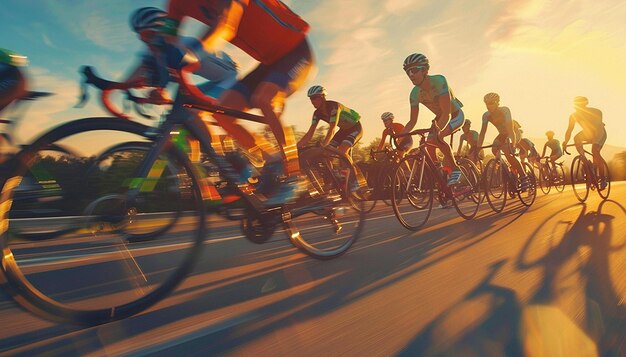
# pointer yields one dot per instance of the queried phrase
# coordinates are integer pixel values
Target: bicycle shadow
(485, 322)
(580, 302)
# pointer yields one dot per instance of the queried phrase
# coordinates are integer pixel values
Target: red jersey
(396, 128)
(268, 29)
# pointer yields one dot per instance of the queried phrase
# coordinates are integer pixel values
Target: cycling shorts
(348, 136)
(289, 72)
(596, 138)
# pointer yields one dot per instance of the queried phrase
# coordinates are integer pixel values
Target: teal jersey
(590, 119)
(429, 97)
(499, 118)
(555, 147)
(472, 138)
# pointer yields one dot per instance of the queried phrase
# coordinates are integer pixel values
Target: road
(549, 280)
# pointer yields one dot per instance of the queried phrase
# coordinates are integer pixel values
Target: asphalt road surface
(549, 280)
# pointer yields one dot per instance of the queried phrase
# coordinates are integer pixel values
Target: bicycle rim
(412, 192)
(327, 225)
(544, 178)
(559, 180)
(94, 274)
(528, 196)
(467, 194)
(580, 186)
(495, 185)
(607, 190)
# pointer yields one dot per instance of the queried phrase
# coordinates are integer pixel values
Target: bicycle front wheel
(94, 274)
(326, 224)
(544, 175)
(579, 174)
(604, 193)
(528, 195)
(559, 178)
(469, 187)
(412, 192)
(495, 185)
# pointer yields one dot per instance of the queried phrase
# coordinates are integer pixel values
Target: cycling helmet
(314, 90)
(467, 122)
(549, 133)
(491, 98)
(386, 116)
(415, 59)
(12, 59)
(147, 18)
(579, 100)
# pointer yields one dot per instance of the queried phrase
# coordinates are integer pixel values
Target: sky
(536, 54)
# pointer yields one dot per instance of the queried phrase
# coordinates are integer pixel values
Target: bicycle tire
(559, 182)
(527, 197)
(418, 183)
(469, 187)
(53, 284)
(578, 175)
(496, 185)
(545, 178)
(327, 225)
(604, 194)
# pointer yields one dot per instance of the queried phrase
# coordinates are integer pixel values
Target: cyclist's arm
(382, 141)
(543, 152)
(568, 132)
(412, 120)
(331, 130)
(308, 136)
(483, 130)
(458, 150)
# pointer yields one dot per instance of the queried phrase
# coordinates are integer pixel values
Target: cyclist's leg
(579, 140)
(597, 145)
(455, 123)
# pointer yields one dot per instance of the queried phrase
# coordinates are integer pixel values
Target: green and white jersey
(336, 112)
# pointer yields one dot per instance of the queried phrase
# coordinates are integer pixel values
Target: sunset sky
(536, 54)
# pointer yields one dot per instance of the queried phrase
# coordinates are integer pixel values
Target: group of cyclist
(269, 32)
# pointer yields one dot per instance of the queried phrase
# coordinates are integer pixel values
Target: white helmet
(316, 89)
(147, 18)
(415, 59)
(386, 115)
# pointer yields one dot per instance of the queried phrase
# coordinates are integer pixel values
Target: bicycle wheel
(327, 224)
(604, 193)
(495, 185)
(361, 197)
(580, 185)
(544, 174)
(94, 274)
(112, 165)
(527, 197)
(370, 177)
(469, 187)
(559, 178)
(40, 192)
(412, 192)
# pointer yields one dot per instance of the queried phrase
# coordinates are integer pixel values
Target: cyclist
(500, 117)
(433, 92)
(12, 79)
(336, 115)
(272, 34)
(555, 149)
(391, 128)
(217, 67)
(593, 131)
(527, 150)
(471, 136)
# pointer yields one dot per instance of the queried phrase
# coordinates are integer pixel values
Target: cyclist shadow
(484, 323)
(576, 275)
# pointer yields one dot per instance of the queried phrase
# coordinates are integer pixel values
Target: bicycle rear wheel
(412, 192)
(326, 224)
(527, 197)
(604, 193)
(580, 186)
(559, 178)
(495, 185)
(469, 187)
(95, 274)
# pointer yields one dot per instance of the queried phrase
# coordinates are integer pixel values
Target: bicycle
(550, 174)
(500, 183)
(96, 274)
(416, 179)
(585, 176)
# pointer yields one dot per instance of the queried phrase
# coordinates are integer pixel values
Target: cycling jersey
(336, 112)
(404, 143)
(590, 119)
(471, 139)
(499, 118)
(527, 147)
(438, 86)
(219, 68)
(555, 148)
(267, 31)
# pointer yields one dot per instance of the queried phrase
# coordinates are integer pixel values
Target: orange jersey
(396, 128)
(268, 29)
